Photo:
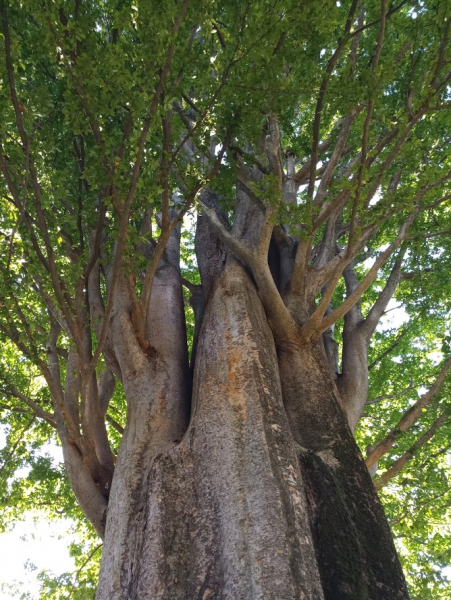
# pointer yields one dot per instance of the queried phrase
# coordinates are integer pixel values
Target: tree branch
(277, 313)
(317, 324)
(366, 129)
(39, 412)
(399, 464)
(125, 208)
(408, 419)
(389, 349)
(164, 237)
(369, 324)
(16, 443)
(114, 424)
(322, 94)
(406, 390)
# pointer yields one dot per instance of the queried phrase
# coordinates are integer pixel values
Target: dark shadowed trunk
(352, 538)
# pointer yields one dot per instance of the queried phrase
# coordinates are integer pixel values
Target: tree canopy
(119, 120)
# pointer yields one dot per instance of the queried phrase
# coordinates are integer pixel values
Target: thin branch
(366, 130)
(40, 412)
(302, 175)
(399, 464)
(125, 208)
(16, 443)
(322, 93)
(192, 287)
(430, 457)
(336, 155)
(317, 324)
(22, 209)
(377, 310)
(339, 202)
(71, 59)
(376, 21)
(427, 236)
(77, 574)
(406, 390)
(408, 419)
(95, 250)
(224, 77)
(390, 349)
(10, 73)
(409, 512)
(63, 299)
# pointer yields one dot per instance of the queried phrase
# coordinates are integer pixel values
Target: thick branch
(165, 235)
(114, 424)
(278, 314)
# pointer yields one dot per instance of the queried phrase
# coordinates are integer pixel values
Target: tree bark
(266, 496)
(355, 552)
(224, 513)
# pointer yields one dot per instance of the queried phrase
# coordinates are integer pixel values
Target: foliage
(75, 161)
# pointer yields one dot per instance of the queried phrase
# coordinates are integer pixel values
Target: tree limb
(408, 419)
(40, 412)
(401, 462)
(369, 324)
(317, 324)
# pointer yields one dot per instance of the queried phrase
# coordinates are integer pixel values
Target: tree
(311, 141)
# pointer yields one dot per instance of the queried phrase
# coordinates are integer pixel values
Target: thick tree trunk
(266, 496)
(225, 514)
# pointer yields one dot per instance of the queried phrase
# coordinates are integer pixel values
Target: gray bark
(241, 508)
(156, 384)
(224, 512)
(264, 495)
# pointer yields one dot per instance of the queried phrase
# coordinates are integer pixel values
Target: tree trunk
(266, 496)
(355, 552)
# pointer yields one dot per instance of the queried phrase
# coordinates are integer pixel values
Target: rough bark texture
(353, 542)
(225, 512)
(264, 495)
(242, 508)
(237, 476)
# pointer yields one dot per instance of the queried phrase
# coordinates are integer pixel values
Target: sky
(33, 546)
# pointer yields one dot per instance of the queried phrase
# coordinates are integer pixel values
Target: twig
(77, 574)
